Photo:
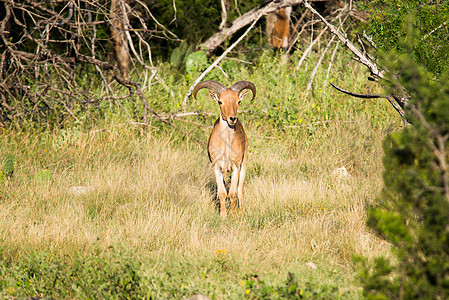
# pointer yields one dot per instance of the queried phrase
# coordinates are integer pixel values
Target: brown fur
(228, 145)
(278, 24)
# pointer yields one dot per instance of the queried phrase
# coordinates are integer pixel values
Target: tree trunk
(118, 36)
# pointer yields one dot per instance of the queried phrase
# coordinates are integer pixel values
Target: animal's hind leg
(233, 188)
(221, 190)
(242, 176)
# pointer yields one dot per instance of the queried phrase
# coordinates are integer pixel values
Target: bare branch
(309, 84)
(369, 39)
(224, 14)
(363, 59)
(435, 29)
(307, 51)
(201, 77)
(365, 96)
(219, 37)
(390, 98)
(63, 36)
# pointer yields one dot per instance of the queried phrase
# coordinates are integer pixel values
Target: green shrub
(413, 214)
(430, 22)
(111, 275)
(8, 165)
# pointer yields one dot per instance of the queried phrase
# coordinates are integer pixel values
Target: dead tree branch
(363, 59)
(246, 19)
(397, 101)
(201, 77)
(49, 82)
(390, 98)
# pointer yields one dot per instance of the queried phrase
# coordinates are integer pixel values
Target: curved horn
(241, 85)
(210, 84)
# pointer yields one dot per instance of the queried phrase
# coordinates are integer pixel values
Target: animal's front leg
(221, 190)
(233, 188)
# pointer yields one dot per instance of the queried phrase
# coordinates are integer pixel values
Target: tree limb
(201, 77)
(390, 98)
(219, 37)
(363, 59)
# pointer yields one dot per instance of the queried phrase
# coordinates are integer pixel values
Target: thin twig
(331, 61)
(309, 84)
(306, 53)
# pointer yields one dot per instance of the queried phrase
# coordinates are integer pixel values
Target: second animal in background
(278, 28)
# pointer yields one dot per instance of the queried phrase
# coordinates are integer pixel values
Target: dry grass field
(127, 188)
(108, 209)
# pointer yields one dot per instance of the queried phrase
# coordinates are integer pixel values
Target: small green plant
(44, 175)
(196, 62)
(8, 165)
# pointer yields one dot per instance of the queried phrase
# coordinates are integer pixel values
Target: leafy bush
(290, 289)
(414, 211)
(109, 275)
(429, 21)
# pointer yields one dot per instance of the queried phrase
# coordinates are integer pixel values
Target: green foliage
(290, 288)
(193, 21)
(178, 55)
(44, 175)
(430, 21)
(196, 62)
(376, 278)
(117, 274)
(414, 213)
(8, 165)
(110, 275)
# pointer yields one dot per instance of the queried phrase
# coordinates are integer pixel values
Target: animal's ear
(243, 94)
(215, 97)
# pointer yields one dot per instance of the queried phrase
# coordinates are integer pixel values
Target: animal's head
(227, 98)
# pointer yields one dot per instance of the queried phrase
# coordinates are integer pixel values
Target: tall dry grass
(154, 196)
(152, 193)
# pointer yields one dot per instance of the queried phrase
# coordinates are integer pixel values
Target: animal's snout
(232, 121)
